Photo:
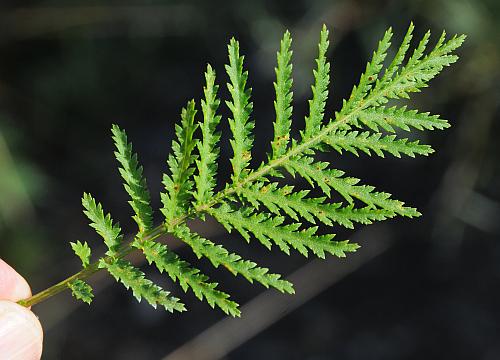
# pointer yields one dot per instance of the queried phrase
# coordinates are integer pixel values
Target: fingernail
(21, 334)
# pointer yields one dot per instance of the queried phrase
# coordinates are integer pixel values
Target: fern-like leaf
(254, 203)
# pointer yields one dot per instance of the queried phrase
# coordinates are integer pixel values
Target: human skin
(21, 334)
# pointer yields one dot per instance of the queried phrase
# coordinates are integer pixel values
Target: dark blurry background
(423, 288)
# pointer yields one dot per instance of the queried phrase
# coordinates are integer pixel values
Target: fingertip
(13, 286)
(21, 334)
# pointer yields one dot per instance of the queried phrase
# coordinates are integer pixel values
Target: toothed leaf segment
(81, 291)
(135, 184)
(241, 108)
(82, 250)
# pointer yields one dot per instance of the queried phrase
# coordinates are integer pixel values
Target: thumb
(20, 333)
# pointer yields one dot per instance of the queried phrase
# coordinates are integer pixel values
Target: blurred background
(423, 288)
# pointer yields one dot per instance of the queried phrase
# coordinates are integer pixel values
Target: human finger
(21, 335)
(13, 286)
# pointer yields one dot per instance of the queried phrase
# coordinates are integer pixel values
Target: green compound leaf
(258, 203)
